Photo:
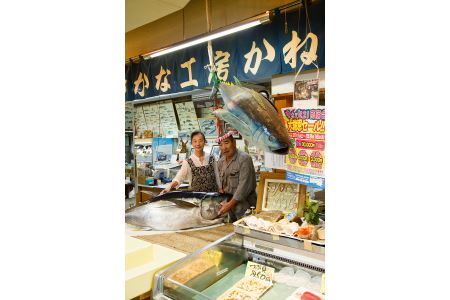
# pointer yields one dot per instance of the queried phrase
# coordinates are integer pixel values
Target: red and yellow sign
(306, 128)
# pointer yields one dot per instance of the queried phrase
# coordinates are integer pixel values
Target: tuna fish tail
(215, 85)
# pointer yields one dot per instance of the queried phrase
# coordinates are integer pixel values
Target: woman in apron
(200, 167)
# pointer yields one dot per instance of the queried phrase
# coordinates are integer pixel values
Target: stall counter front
(142, 261)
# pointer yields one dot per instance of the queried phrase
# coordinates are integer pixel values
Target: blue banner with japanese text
(289, 43)
(306, 179)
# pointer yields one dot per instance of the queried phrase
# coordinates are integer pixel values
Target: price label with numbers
(259, 271)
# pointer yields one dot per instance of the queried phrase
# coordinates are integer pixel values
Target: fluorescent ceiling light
(213, 35)
(206, 38)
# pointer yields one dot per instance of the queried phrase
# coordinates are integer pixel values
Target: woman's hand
(169, 187)
(166, 190)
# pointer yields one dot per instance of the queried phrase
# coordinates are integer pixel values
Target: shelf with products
(148, 141)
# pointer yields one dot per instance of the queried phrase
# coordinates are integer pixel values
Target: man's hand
(226, 207)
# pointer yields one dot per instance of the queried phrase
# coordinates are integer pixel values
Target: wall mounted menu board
(167, 119)
(187, 116)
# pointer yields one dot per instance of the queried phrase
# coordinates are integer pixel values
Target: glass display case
(215, 270)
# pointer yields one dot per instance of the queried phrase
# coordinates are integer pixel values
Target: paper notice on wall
(274, 161)
(168, 121)
(209, 127)
(139, 122)
(187, 116)
(128, 116)
(151, 114)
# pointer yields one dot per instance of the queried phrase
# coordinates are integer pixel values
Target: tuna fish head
(211, 204)
(255, 117)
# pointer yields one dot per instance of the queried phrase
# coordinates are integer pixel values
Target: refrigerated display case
(210, 272)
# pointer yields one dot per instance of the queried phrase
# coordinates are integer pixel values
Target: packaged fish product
(304, 294)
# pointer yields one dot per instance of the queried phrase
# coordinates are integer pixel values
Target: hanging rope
(212, 66)
(307, 31)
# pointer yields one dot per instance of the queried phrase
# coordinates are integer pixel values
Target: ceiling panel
(141, 12)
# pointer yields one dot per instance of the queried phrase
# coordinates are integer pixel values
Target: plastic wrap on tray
(284, 227)
(299, 278)
(191, 270)
(246, 288)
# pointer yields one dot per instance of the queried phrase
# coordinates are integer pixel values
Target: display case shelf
(143, 141)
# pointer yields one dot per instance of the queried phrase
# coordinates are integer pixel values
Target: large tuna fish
(177, 210)
(254, 116)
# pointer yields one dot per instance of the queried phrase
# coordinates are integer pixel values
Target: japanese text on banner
(306, 128)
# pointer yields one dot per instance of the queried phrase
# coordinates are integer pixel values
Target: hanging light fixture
(227, 30)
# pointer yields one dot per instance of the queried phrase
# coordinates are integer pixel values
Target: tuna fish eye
(271, 138)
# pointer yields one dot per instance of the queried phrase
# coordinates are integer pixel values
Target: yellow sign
(259, 271)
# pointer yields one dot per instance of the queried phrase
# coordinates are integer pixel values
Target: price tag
(307, 245)
(275, 237)
(259, 271)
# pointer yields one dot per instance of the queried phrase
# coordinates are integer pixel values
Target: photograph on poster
(306, 90)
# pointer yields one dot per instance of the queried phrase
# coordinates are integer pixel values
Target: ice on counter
(299, 278)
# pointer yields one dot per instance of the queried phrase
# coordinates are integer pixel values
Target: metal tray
(289, 241)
